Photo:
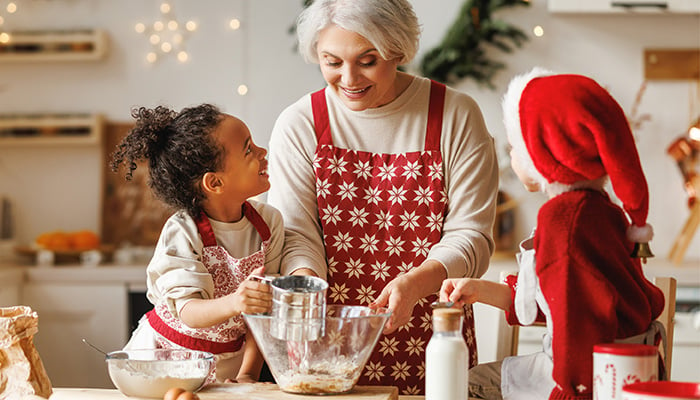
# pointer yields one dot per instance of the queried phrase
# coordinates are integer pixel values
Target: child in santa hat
(568, 135)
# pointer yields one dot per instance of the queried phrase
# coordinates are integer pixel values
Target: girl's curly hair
(179, 149)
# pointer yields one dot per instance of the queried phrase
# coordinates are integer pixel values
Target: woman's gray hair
(390, 25)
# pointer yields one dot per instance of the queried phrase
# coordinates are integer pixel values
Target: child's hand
(252, 297)
(245, 378)
(462, 291)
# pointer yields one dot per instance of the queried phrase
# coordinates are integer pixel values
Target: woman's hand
(252, 297)
(399, 295)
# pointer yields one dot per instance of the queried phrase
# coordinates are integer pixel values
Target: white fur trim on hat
(640, 234)
(511, 120)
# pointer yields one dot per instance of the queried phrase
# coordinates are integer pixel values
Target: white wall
(59, 188)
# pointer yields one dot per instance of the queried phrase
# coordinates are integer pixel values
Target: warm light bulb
(165, 8)
(172, 25)
(2, 20)
(140, 28)
(694, 133)
(158, 26)
(177, 38)
(182, 56)
(190, 26)
(235, 24)
(151, 57)
(538, 31)
(4, 37)
(11, 7)
(242, 90)
(166, 47)
(154, 39)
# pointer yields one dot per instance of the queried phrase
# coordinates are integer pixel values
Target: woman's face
(354, 70)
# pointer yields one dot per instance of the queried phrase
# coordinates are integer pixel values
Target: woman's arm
(471, 180)
(293, 189)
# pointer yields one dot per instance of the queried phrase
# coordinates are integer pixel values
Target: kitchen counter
(236, 391)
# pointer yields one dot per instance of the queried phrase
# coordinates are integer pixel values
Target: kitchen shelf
(624, 7)
(58, 45)
(50, 129)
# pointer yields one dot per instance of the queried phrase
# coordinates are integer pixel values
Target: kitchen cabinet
(76, 303)
(50, 129)
(630, 7)
(67, 314)
(55, 45)
(10, 285)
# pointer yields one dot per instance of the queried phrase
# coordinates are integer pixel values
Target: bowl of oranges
(66, 246)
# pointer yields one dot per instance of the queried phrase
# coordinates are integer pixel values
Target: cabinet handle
(629, 5)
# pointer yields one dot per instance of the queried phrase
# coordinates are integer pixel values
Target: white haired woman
(387, 181)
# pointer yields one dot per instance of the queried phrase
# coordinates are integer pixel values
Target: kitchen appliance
(299, 306)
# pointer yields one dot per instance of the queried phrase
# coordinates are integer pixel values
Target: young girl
(577, 272)
(204, 164)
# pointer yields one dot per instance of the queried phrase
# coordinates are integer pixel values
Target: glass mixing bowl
(150, 373)
(330, 364)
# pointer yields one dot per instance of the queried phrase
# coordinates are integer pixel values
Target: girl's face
(517, 164)
(354, 70)
(244, 173)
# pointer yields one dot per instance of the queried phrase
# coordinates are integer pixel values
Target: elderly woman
(387, 181)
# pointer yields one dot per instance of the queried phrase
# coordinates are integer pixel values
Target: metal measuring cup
(299, 307)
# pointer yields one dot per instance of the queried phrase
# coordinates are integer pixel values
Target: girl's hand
(252, 297)
(398, 296)
(462, 291)
(245, 378)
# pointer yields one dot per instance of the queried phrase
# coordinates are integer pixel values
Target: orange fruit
(84, 240)
(55, 241)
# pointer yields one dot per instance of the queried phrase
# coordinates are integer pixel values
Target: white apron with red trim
(227, 273)
(380, 215)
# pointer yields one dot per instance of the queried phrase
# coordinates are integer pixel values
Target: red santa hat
(566, 129)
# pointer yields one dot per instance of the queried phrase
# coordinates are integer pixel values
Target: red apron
(227, 273)
(380, 215)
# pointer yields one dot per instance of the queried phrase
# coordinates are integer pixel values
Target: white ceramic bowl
(661, 390)
(150, 373)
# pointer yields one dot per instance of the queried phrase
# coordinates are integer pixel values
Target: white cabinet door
(67, 314)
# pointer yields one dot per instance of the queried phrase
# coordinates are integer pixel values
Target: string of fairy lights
(5, 10)
(168, 35)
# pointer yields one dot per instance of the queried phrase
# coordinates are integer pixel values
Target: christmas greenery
(463, 51)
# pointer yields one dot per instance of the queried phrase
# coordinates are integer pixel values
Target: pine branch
(462, 52)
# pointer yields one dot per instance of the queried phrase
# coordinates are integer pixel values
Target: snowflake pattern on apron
(380, 215)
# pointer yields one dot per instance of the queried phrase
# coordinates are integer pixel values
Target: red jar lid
(665, 389)
(625, 349)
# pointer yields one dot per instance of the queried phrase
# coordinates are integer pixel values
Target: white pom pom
(640, 234)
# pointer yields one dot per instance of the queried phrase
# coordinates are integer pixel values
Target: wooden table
(243, 391)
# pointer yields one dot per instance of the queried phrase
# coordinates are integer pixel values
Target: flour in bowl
(153, 379)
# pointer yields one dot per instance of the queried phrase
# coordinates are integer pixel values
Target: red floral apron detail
(227, 273)
(380, 215)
